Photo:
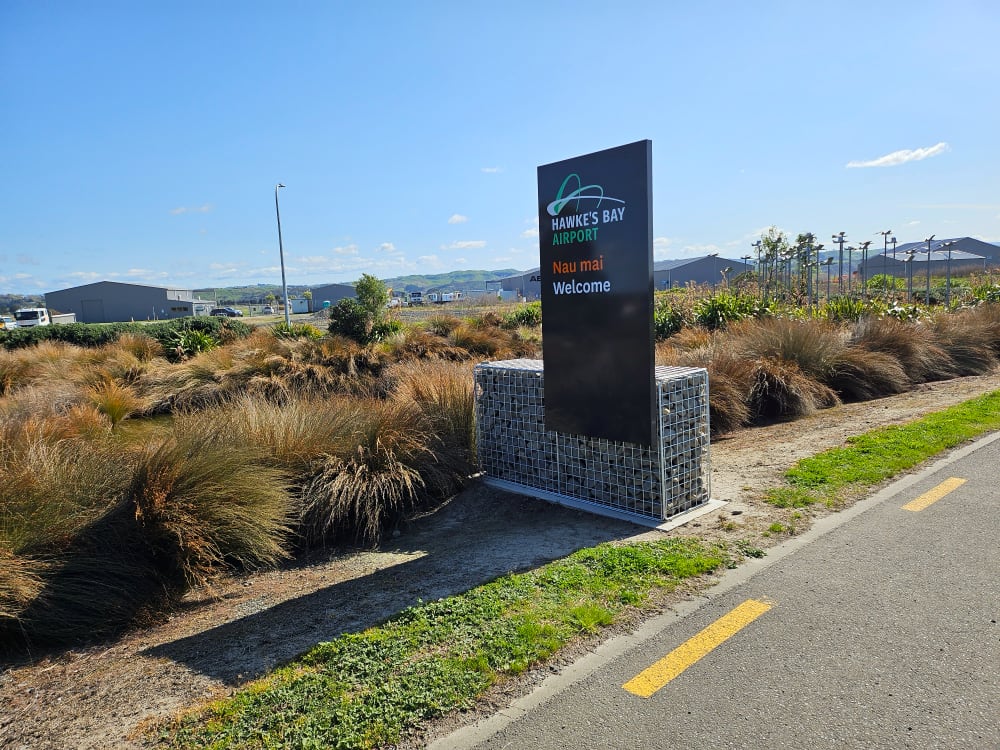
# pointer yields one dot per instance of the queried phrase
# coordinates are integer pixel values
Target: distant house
(331, 293)
(117, 302)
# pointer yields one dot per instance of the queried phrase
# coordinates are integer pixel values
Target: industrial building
(117, 302)
(331, 293)
(958, 254)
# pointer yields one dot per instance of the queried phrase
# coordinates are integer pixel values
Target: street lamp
(885, 260)
(908, 260)
(760, 269)
(850, 267)
(840, 239)
(828, 263)
(281, 252)
(927, 295)
(864, 268)
(947, 284)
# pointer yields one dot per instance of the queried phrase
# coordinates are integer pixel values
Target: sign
(596, 248)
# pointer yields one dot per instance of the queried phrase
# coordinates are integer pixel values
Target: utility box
(648, 484)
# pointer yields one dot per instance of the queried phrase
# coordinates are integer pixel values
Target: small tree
(372, 296)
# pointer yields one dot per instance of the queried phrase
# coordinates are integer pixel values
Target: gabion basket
(649, 484)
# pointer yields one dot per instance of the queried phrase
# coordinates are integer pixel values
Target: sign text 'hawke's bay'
(583, 227)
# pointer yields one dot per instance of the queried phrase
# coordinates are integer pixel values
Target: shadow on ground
(481, 534)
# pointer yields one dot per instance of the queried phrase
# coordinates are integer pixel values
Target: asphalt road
(878, 628)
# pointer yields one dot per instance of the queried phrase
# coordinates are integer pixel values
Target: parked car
(227, 312)
(268, 310)
(7, 321)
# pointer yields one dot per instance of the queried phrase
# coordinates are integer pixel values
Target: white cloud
(458, 219)
(461, 260)
(694, 251)
(27, 260)
(902, 157)
(661, 246)
(346, 250)
(530, 233)
(465, 245)
(192, 210)
(491, 170)
(912, 223)
(387, 247)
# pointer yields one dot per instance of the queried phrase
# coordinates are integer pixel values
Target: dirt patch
(102, 697)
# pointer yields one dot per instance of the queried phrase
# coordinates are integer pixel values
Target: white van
(32, 316)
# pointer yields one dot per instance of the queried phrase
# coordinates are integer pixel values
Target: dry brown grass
(913, 345)
(780, 390)
(859, 374)
(968, 341)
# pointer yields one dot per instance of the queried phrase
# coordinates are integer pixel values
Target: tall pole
(885, 261)
(927, 294)
(947, 285)
(760, 269)
(850, 269)
(281, 252)
(893, 241)
(864, 268)
(840, 240)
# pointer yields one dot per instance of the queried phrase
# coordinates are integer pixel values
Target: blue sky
(142, 141)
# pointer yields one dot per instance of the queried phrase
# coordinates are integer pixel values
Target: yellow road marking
(670, 666)
(932, 496)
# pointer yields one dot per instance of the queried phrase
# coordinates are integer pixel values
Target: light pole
(850, 269)
(281, 252)
(885, 260)
(864, 268)
(893, 241)
(908, 274)
(828, 263)
(760, 269)
(927, 294)
(839, 239)
(746, 261)
(947, 284)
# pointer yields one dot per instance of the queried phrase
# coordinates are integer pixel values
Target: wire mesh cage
(655, 482)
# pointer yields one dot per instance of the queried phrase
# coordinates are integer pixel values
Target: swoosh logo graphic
(582, 192)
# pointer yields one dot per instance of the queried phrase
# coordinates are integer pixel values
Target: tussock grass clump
(206, 507)
(913, 345)
(780, 390)
(442, 325)
(967, 341)
(812, 345)
(144, 348)
(115, 401)
(415, 342)
(289, 434)
(731, 381)
(389, 466)
(444, 392)
(862, 375)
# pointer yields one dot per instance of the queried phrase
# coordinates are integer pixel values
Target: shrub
(527, 315)
(719, 310)
(350, 320)
(182, 344)
(444, 392)
(296, 331)
(845, 309)
(442, 325)
(115, 401)
(668, 317)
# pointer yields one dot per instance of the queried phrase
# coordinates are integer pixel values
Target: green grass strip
(366, 689)
(881, 454)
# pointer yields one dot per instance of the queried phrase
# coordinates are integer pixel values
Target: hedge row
(99, 334)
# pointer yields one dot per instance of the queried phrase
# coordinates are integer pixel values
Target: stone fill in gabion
(654, 482)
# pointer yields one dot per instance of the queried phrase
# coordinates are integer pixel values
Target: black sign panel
(596, 237)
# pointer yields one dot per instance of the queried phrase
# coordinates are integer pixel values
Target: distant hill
(454, 281)
(462, 281)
